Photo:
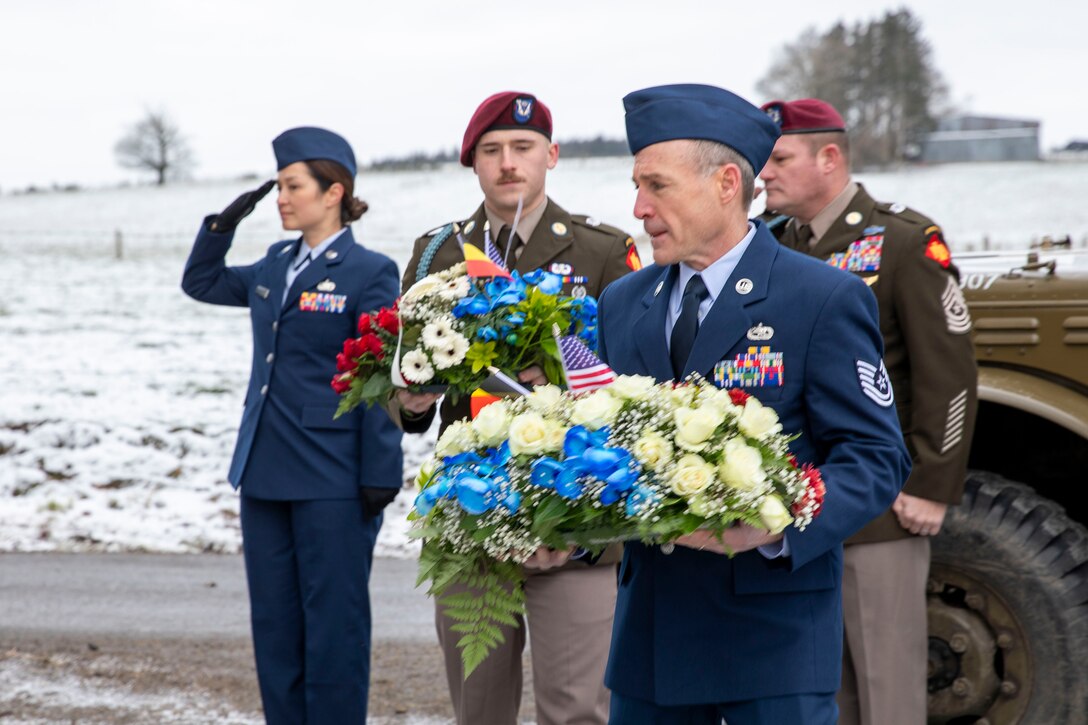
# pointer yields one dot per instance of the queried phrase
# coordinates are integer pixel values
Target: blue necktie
(687, 324)
(305, 261)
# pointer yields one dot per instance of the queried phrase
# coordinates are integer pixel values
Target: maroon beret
(508, 109)
(806, 115)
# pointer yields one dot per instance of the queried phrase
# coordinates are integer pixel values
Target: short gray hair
(709, 156)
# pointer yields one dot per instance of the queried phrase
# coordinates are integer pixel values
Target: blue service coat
(697, 627)
(289, 445)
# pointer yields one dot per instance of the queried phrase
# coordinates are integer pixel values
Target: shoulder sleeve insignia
(633, 260)
(936, 248)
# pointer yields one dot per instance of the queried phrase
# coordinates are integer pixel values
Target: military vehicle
(1008, 587)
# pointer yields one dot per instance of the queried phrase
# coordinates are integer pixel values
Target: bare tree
(154, 143)
(879, 74)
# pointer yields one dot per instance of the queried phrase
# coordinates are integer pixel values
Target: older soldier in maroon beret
(508, 144)
(815, 207)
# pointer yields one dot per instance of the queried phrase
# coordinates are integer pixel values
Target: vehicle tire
(1008, 610)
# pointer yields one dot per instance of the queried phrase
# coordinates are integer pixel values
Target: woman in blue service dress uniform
(312, 487)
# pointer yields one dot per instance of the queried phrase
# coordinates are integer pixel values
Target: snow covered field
(120, 397)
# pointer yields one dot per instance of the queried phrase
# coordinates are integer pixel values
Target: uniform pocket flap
(321, 416)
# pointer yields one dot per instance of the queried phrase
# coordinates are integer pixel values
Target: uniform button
(269, 357)
(264, 390)
(275, 325)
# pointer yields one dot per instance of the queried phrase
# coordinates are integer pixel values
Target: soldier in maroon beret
(570, 603)
(815, 207)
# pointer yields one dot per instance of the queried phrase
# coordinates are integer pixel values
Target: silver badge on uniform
(331, 254)
(875, 383)
(853, 218)
(326, 285)
(897, 208)
(560, 268)
(592, 222)
(744, 286)
(578, 292)
(760, 333)
(470, 226)
(559, 229)
(261, 291)
(657, 290)
(956, 316)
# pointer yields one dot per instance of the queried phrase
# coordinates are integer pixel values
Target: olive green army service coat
(928, 352)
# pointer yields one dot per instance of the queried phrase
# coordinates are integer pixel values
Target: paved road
(147, 639)
(168, 595)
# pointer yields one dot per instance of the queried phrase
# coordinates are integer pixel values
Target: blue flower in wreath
(639, 497)
(584, 308)
(504, 292)
(430, 496)
(474, 494)
(512, 501)
(475, 305)
(547, 282)
(563, 478)
(487, 333)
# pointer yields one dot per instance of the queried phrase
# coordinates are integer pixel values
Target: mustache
(510, 179)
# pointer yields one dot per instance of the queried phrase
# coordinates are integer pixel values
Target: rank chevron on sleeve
(875, 383)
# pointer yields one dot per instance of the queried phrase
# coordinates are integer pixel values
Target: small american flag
(489, 247)
(583, 369)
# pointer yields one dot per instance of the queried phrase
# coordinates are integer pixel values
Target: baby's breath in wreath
(635, 460)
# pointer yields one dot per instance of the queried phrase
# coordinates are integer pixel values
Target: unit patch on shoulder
(956, 316)
(633, 261)
(862, 255)
(875, 383)
(936, 249)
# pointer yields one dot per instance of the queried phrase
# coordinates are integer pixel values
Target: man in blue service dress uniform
(757, 637)
(312, 487)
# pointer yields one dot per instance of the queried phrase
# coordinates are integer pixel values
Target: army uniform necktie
(804, 236)
(511, 248)
(687, 324)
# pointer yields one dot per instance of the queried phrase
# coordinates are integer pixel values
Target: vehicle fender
(1038, 396)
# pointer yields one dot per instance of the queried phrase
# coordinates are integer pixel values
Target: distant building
(981, 138)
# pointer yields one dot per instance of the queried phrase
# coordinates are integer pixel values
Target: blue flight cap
(308, 143)
(698, 112)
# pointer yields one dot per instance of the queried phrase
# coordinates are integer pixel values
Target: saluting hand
(241, 207)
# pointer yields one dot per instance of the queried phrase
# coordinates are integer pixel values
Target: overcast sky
(405, 76)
